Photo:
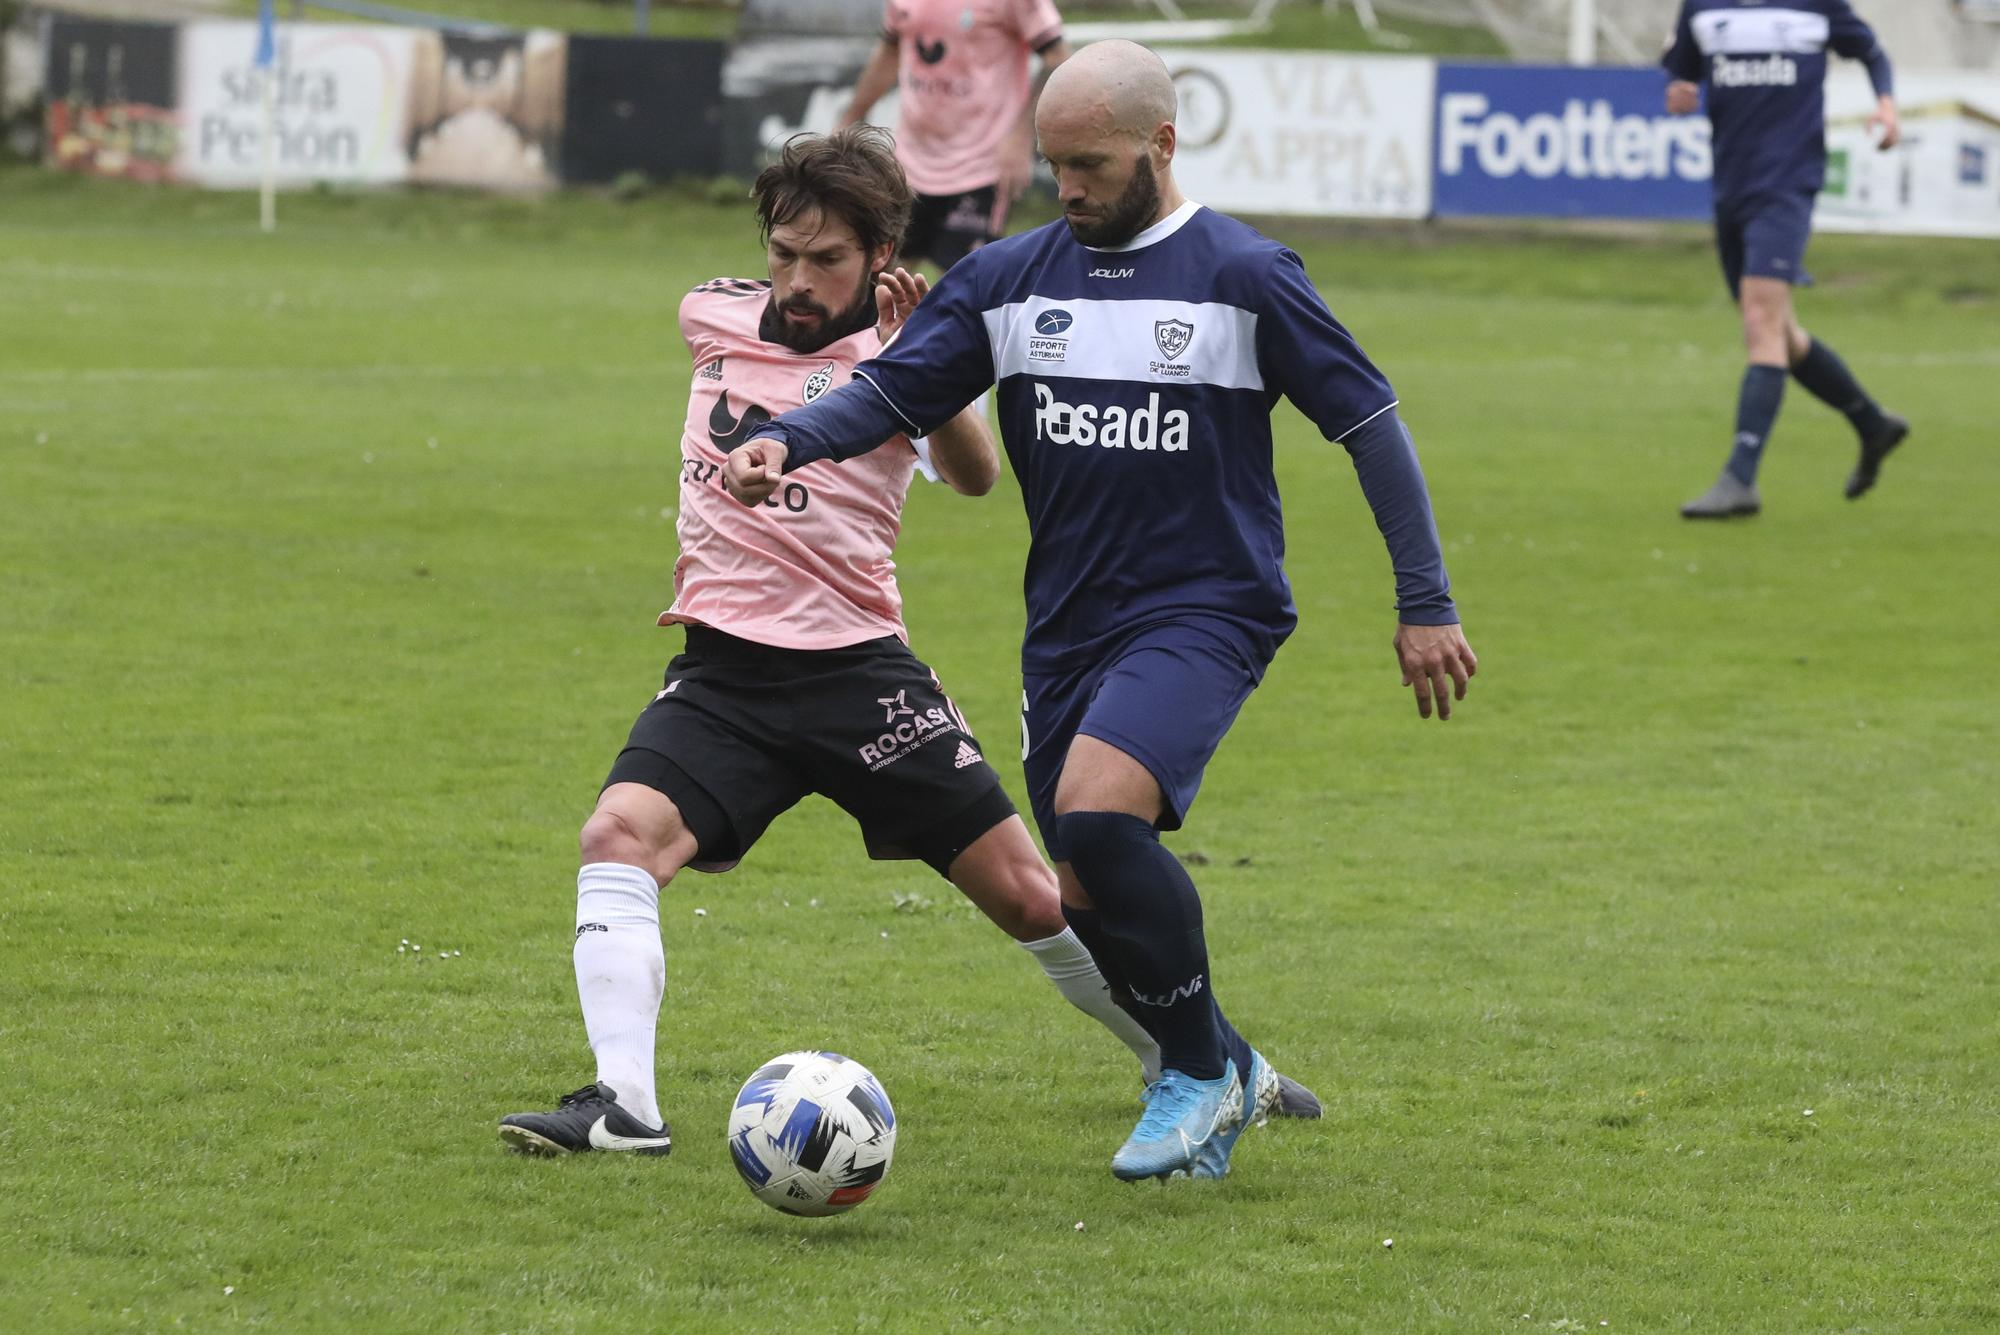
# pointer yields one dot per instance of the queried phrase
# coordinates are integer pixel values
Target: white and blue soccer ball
(812, 1133)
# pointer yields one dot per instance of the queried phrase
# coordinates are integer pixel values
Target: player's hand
(1437, 665)
(1886, 125)
(897, 293)
(752, 472)
(1682, 97)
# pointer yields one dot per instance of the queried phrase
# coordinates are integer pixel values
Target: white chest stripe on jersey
(1761, 32)
(1141, 340)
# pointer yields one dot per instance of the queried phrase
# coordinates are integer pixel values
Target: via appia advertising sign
(1567, 142)
(340, 98)
(1303, 133)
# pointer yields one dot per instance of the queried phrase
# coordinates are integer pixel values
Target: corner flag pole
(267, 61)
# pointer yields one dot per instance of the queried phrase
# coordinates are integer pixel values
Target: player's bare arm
(1438, 665)
(1683, 97)
(964, 455)
(878, 76)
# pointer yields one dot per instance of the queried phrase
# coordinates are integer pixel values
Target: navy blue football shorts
(1165, 697)
(1764, 236)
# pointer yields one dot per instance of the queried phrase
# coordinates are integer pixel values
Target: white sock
(1069, 966)
(621, 973)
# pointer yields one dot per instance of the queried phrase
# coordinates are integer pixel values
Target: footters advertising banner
(1551, 141)
(1279, 133)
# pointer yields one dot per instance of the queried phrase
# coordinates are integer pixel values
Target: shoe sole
(1738, 512)
(1863, 479)
(1159, 1174)
(524, 1141)
(1170, 1175)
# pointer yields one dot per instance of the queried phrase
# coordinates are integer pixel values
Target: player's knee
(1033, 905)
(610, 836)
(1798, 343)
(1096, 840)
(1766, 312)
(1012, 886)
(1027, 916)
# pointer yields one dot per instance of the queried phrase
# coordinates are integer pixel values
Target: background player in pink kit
(796, 678)
(965, 132)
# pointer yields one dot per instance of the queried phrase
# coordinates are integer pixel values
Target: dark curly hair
(851, 174)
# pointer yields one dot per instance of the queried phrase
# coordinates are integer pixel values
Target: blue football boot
(1260, 1100)
(1182, 1116)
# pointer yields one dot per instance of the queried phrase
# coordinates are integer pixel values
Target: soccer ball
(812, 1133)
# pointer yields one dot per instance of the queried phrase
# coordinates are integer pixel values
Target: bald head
(1105, 123)
(1109, 88)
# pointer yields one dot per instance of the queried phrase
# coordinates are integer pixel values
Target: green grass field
(328, 566)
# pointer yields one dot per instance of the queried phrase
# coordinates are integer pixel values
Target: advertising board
(1292, 133)
(1555, 141)
(1942, 180)
(487, 111)
(110, 98)
(645, 105)
(341, 96)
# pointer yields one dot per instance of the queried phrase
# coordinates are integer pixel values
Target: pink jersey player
(811, 568)
(795, 677)
(962, 133)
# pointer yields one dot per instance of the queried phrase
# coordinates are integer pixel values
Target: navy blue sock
(1234, 1045)
(1823, 373)
(1089, 929)
(1150, 917)
(1756, 413)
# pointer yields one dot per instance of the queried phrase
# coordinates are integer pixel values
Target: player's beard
(859, 315)
(1128, 215)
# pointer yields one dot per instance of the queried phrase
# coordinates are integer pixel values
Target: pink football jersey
(963, 84)
(810, 568)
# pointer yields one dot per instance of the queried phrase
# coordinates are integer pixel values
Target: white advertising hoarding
(1301, 133)
(1942, 180)
(341, 104)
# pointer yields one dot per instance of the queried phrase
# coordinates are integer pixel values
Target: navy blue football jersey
(1763, 70)
(1135, 387)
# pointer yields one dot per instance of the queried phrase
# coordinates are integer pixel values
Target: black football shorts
(944, 229)
(741, 731)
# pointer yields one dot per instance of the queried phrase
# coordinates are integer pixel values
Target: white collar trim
(1158, 232)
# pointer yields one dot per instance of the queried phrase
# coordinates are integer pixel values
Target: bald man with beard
(1138, 346)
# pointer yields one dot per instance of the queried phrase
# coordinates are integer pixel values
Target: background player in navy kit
(1139, 346)
(1764, 69)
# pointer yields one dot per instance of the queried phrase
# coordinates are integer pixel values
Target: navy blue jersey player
(1138, 347)
(1763, 69)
